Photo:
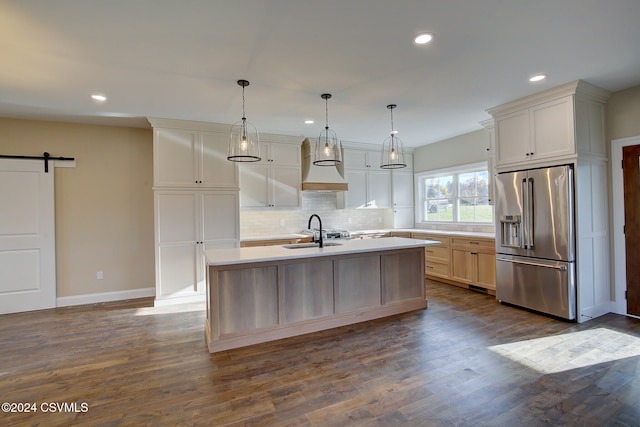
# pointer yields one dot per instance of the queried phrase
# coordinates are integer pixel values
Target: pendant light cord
(392, 134)
(326, 113)
(391, 120)
(243, 113)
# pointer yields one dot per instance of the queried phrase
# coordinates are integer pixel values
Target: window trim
(419, 178)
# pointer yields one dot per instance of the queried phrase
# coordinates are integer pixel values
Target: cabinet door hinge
(624, 229)
(622, 163)
(625, 294)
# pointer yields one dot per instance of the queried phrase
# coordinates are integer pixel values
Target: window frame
(456, 171)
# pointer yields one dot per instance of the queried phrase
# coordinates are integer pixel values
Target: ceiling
(181, 58)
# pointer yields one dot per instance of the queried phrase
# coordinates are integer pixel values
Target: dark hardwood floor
(465, 361)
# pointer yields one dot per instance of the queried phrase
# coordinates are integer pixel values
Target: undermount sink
(310, 245)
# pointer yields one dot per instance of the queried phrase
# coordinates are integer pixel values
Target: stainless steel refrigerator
(535, 247)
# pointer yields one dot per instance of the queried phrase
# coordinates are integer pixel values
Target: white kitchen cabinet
(192, 158)
(536, 133)
(402, 195)
(196, 204)
(188, 222)
(275, 181)
(552, 127)
(489, 127)
(369, 186)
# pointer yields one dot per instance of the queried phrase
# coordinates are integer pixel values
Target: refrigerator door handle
(531, 213)
(525, 213)
(560, 267)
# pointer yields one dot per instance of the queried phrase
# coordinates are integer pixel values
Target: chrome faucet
(320, 222)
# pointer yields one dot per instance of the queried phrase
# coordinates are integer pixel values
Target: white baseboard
(179, 300)
(105, 297)
(598, 310)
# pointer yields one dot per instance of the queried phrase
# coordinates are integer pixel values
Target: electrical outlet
(379, 220)
(100, 275)
(281, 222)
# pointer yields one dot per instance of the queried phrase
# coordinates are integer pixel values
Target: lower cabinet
(438, 258)
(461, 261)
(473, 262)
(187, 222)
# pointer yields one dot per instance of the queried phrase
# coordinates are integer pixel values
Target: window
(455, 195)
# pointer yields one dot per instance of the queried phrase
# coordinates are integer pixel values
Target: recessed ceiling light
(97, 97)
(308, 122)
(537, 78)
(423, 38)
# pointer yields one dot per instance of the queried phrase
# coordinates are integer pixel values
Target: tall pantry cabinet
(196, 204)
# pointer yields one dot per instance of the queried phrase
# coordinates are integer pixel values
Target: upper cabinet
(185, 157)
(281, 154)
(555, 125)
(369, 186)
(276, 180)
(536, 133)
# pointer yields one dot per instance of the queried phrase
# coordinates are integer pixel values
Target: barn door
(27, 236)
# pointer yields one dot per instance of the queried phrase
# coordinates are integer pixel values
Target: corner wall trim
(105, 297)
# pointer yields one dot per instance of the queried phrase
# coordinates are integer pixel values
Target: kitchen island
(259, 294)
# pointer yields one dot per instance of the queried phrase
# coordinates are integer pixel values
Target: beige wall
(623, 114)
(460, 150)
(104, 206)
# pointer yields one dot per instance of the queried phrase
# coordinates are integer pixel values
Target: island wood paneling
(357, 283)
(398, 282)
(265, 301)
(308, 290)
(248, 299)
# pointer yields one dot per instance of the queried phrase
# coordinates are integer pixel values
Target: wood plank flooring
(465, 361)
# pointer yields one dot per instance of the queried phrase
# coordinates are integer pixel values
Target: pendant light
(392, 148)
(328, 148)
(244, 143)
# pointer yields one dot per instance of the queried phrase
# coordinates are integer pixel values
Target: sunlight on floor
(560, 353)
(170, 309)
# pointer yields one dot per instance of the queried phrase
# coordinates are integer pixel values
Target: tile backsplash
(271, 222)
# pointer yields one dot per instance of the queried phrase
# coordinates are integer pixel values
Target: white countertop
(476, 234)
(230, 256)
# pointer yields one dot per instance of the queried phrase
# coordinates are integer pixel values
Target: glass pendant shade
(392, 149)
(328, 148)
(244, 141)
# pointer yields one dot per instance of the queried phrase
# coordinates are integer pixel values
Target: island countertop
(231, 256)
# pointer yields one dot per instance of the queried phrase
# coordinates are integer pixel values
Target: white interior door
(27, 236)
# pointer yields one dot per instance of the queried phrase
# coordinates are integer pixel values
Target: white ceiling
(181, 59)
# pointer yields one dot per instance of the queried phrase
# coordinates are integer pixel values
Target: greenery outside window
(459, 195)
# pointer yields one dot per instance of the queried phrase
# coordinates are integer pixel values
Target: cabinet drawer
(470, 241)
(438, 253)
(437, 269)
(444, 240)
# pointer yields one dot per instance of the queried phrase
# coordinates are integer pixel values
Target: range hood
(319, 178)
